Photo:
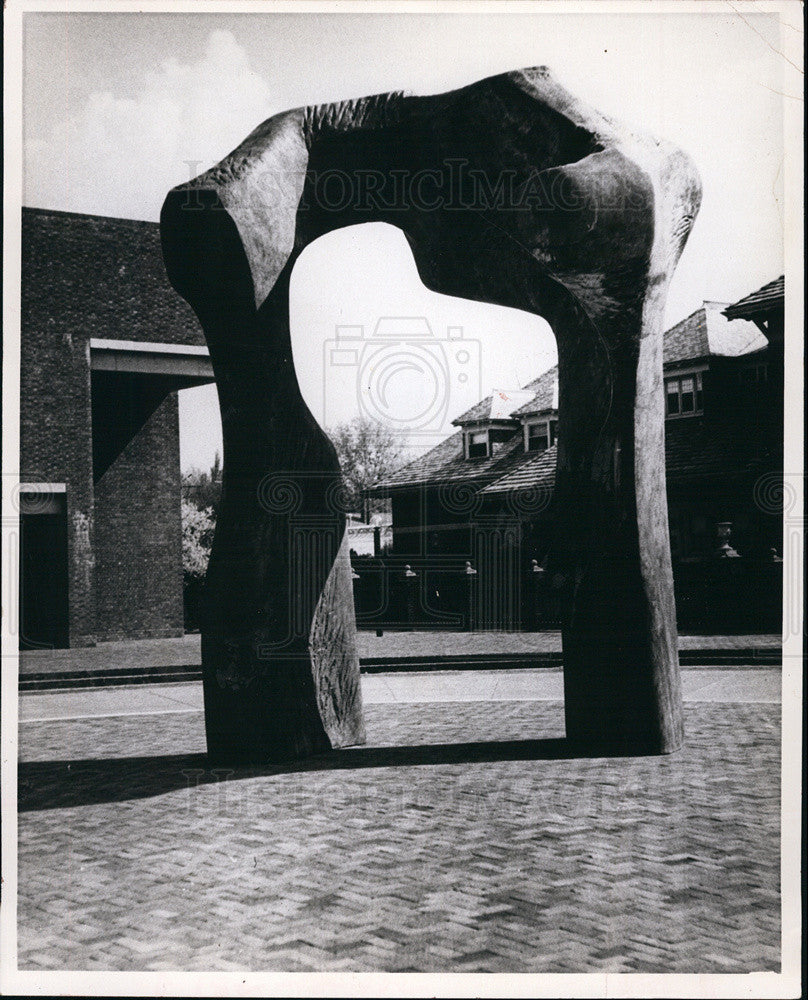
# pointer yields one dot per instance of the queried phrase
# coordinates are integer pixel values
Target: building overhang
(689, 366)
(534, 416)
(186, 364)
(489, 423)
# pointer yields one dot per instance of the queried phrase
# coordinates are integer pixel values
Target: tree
(204, 489)
(197, 536)
(201, 494)
(368, 452)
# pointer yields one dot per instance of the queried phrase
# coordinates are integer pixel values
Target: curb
(748, 657)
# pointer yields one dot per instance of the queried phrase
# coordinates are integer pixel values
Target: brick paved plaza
(460, 839)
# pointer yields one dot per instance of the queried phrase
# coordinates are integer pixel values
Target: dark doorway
(43, 571)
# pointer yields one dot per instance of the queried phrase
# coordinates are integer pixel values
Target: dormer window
(684, 395)
(492, 425)
(485, 442)
(477, 444)
(540, 435)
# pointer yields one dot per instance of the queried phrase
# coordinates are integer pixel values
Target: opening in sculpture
(509, 191)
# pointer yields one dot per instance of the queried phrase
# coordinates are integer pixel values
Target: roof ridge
(38, 210)
(528, 387)
(684, 319)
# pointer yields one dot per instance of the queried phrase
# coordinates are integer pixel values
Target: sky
(118, 108)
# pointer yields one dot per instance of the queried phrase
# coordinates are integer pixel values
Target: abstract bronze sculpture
(509, 191)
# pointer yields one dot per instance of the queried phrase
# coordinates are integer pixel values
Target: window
(540, 436)
(687, 397)
(672, 391)
(477, 444)
(488, 441)
(684, 395)
(498, 437)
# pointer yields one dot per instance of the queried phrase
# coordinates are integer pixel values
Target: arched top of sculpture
(535, 183)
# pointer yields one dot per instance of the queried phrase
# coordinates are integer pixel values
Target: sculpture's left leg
(279, 659)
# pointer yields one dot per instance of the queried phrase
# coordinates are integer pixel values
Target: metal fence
(713, 595)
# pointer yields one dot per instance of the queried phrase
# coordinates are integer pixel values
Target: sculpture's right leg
(622, 690)
(280, 668)
(621, 672)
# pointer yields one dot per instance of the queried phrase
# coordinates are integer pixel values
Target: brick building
(106, 344)
(483, 498)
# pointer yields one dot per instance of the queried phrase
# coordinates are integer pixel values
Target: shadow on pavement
(59, 784)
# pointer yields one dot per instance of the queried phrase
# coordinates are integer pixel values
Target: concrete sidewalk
(176, 660)
(702, 684)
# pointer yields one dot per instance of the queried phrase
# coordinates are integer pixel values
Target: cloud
(119, 156)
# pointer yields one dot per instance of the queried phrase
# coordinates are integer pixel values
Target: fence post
(410, 594)
(356, 588)
(725, 550)
(725, 597)
(771, 586)
(537, 575)
(471, 596)
(383, 588)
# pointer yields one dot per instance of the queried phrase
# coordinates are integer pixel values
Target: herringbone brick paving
(461, 857)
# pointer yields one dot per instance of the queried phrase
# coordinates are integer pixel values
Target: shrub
(197, 536)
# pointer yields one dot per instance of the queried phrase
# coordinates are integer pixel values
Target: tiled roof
(540, 394)
(706, 332)
(770, 296)
(446, 463)
(545, 394)
(695, 449)
(535, 470)
(692, 450)
(480, 411)
(504, 402)
(103, 276)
